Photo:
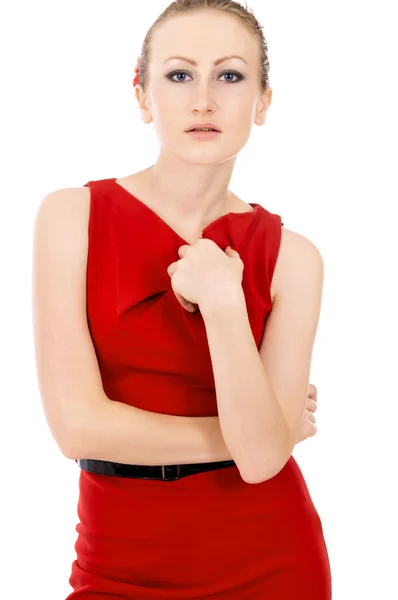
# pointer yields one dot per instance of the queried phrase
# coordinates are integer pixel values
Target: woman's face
(180, 93)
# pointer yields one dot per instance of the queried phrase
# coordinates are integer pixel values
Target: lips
(211, 126)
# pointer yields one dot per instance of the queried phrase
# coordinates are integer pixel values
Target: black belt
(162, 472)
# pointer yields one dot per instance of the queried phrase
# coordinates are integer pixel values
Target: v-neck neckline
(256, 207)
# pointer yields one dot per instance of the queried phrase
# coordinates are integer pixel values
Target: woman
(183, 394)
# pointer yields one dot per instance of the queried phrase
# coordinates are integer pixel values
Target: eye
(238, 75)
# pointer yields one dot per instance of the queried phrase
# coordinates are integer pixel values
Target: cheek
(165, 114)
(239, 103)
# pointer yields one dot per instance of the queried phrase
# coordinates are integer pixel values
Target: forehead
(204, 36)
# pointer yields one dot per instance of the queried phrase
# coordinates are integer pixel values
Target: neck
(191, 192)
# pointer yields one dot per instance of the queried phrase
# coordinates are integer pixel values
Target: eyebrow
(216, 62)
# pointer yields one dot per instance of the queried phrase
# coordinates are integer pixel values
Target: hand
(308, 427)
(205, 274)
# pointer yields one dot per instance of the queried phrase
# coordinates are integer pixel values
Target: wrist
(232, 301)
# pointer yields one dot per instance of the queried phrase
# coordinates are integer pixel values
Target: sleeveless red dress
(208, 535)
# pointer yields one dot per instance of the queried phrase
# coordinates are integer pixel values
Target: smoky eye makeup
(237, 76)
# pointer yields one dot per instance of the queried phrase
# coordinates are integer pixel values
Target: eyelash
(240, 77)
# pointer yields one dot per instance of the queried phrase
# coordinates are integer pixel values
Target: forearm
(251, 419)
(126, 434)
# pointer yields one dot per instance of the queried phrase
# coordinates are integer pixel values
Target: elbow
(71, 452)
(253, 480)
(267, 471)
(258, 478)
(256, 475)
(65, 444)
(75, 444)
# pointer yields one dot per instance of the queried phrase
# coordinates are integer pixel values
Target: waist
(158, 472)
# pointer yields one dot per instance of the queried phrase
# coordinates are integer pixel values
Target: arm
(261, 396)
(121, 433)
(84, 422)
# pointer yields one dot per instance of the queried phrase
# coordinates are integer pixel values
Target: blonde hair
(190, 6)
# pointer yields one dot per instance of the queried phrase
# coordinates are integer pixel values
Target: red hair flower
(136, 70)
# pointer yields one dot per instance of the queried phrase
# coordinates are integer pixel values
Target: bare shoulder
(61, 224)
(68, 372)
(63, 216)
(298, 256)
(69, 378)
(57, 202)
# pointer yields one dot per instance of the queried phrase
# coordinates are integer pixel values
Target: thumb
(231, 251)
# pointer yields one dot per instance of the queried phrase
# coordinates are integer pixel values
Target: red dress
(208, 535)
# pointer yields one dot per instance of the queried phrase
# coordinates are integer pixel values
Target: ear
(262, 106)
(143, 104)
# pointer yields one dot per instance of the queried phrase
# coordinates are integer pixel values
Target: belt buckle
(171, 472)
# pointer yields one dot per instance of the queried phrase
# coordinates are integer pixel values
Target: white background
(326, 161)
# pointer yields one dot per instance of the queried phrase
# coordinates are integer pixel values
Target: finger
(182, 250)
(309, 429)
(311, 405)
(314, 430)
(313, 395)
(171, 269)
(312, 391)
(311, 417)
(231, 251)
(185, 303)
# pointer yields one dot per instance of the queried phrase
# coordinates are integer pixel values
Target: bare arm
(261, 395)
(84, 422)
(130, 435)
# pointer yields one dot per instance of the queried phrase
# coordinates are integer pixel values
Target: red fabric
(205, 535)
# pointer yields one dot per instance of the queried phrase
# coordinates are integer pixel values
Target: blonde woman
(174, 343)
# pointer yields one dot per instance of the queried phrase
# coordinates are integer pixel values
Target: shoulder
(64, 203)
(61, 221)
(298, 258)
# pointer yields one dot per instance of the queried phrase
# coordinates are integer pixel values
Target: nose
(203, 100)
